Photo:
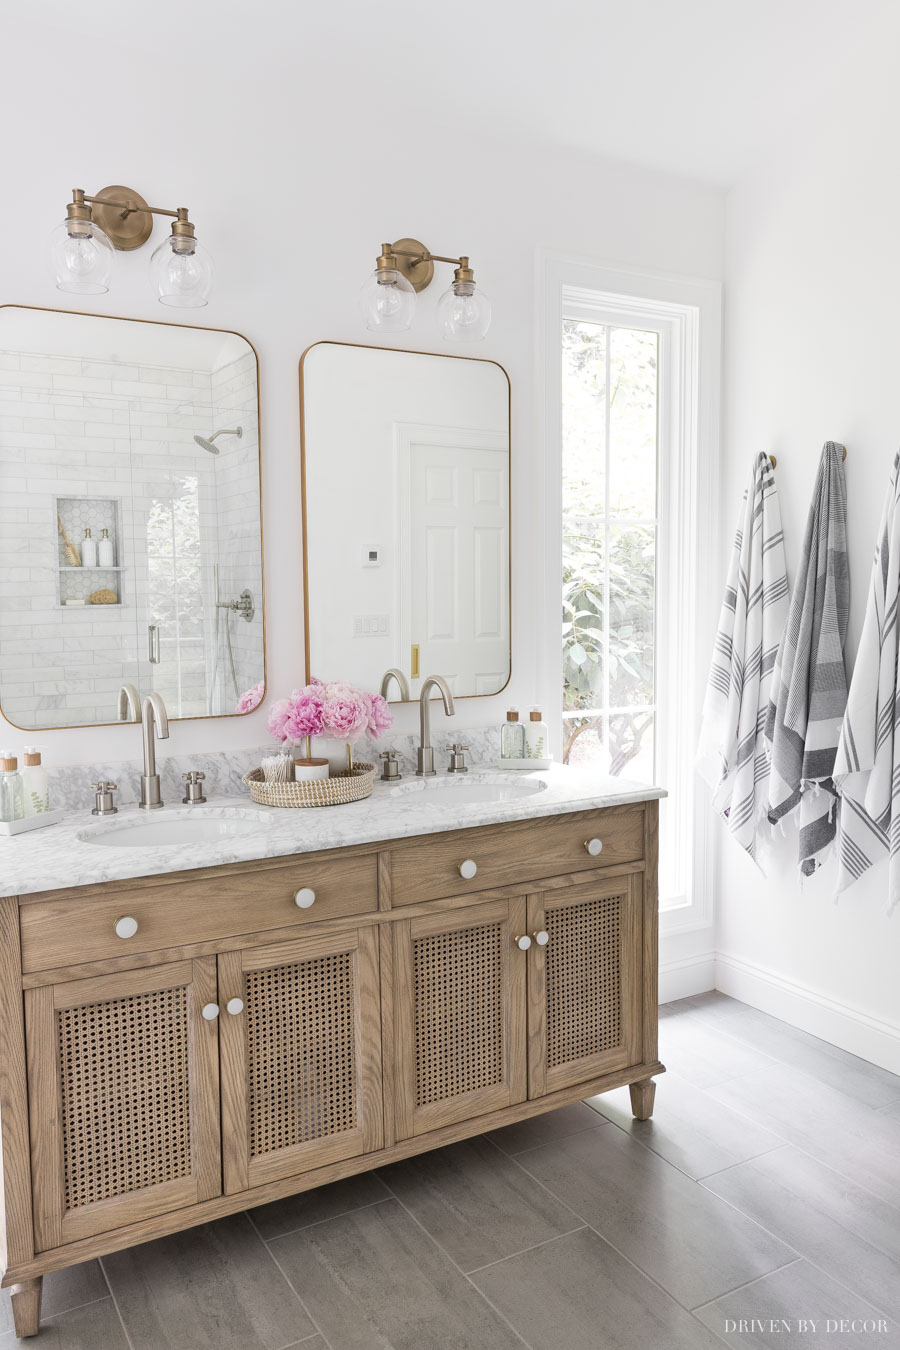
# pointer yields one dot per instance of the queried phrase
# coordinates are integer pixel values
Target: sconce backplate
(418, 273)
(127, 233)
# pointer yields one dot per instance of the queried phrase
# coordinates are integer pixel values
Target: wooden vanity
(272, 1026)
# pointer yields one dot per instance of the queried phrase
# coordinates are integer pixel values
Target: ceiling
(699, 88)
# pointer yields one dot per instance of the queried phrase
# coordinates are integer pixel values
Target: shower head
(208, 444)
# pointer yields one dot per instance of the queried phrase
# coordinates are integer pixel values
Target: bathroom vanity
(343, 989)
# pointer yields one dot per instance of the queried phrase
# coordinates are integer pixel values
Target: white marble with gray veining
(55, 857)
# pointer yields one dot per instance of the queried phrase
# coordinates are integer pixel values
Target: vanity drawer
(523, 851)
(77, 929)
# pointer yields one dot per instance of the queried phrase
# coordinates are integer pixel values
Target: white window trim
(691, 309)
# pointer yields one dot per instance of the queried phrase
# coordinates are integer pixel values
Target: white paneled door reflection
(457, 543)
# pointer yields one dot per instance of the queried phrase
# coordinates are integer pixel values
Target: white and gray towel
(867, 767)
(808, 697)
(732, 756)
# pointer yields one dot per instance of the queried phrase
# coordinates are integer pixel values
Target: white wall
(293, 187)
(812, 349)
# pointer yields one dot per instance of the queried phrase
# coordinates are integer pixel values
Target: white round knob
(234, 1006)
(523, 942)
(126, 927)
(305, 897)
(542, 938)
(210, 1011)
(594, 846)
(468, 869)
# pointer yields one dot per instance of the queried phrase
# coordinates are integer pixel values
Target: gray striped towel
(809, 684)
(867, 767)
(732, 756)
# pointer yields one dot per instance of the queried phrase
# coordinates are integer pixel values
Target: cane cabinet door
(584, 992)
(459, 1008)
(301, 1056)
(124, 1098)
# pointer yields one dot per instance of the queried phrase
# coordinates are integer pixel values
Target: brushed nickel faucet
(128, 708)
(154, 715)
(425, 754)
(402, 683)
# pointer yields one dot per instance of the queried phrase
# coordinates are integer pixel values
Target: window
(630, 471)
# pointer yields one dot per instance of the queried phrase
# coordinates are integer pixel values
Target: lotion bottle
(536, 736)
(88, 550)
(35, 783)
(512, 736)
(12, 798)
(105, 554)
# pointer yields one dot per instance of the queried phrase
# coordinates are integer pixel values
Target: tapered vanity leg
(642, 1095)
(26, 1306)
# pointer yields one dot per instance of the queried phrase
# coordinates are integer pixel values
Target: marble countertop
(55, 857)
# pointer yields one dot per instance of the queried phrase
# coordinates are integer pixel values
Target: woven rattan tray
(338, 790)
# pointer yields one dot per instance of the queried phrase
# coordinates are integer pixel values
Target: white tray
(524, 764)
(31, 822)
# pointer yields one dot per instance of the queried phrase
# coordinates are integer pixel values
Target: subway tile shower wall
(72, 428)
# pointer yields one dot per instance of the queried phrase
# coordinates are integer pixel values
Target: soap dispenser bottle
(512, 736)
(88, 550)
(12, 798)
(105, 554)
(35, 783)
(536, 734)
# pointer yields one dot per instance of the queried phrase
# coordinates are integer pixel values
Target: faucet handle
(458, 758)
(391, 769)
(104, 806)
(193, 787)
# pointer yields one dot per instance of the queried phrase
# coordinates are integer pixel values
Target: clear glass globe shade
(183, 280)
(387, 302)
(82, 257)
(464, 313)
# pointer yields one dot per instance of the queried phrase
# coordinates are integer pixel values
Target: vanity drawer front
(70, 931)
(522, 851)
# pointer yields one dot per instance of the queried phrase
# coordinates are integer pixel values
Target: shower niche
(149, 431)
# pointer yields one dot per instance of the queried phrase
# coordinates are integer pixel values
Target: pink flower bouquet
(251, 699)
(337, 710)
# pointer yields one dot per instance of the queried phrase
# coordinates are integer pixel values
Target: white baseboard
(806, 1008)
(693, 974)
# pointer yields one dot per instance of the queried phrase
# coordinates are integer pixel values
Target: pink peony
(251, 699)
(345, 714)
(381, 719)
(294, 718)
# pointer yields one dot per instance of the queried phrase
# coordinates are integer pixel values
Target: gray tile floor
(766, 1190)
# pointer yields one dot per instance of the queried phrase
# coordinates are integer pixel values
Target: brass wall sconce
(402, 269)
(84, 246)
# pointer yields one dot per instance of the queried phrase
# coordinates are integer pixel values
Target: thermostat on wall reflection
(371, 556)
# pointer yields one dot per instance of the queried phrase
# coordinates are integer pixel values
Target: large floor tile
(94, 1326)
(851, 1233)
(698, 1050)
(828, 1064)
(688, 1128)
(577, 1293)
(854, 1139)
(210, 1288)
(477, 1202)
(372, 1278)
(696, 1246)
(544, 1129)
(63, 1290)
(793, 1299)
(326, 1202)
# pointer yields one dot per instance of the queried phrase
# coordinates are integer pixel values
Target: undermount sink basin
(489, 788)
(174, 829)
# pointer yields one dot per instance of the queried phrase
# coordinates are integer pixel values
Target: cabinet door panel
(301, 1060)
(584, 984)
(124, 1098)
(459, 1008)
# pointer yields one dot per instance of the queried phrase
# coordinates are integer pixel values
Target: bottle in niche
(105, 554)
(35, 783)
(536, 735)
(88, 550)
(512, 736)
(12, 797)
